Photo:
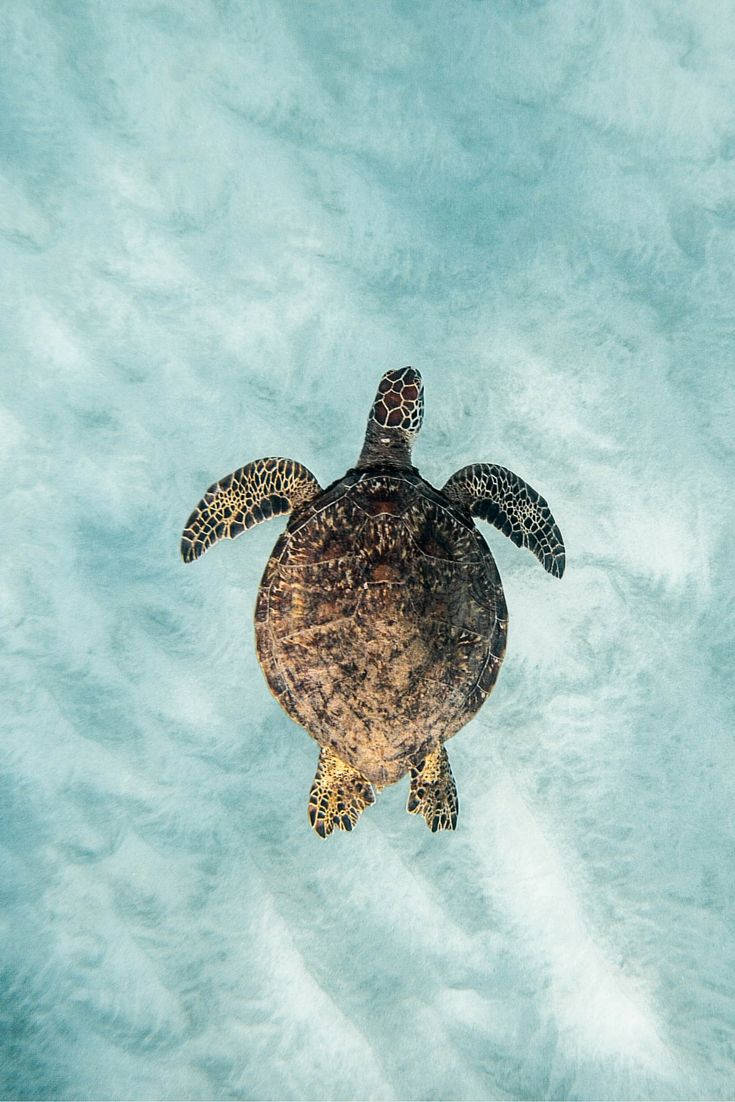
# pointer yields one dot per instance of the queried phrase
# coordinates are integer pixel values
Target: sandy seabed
(219, 224)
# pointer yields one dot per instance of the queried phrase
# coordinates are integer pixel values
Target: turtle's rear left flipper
(505, 500)
(338, 794)
(260, 490)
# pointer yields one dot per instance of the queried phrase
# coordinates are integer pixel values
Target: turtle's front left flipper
(505, 500)
(260, 490)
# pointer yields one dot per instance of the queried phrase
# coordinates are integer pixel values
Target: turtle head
(395, 419)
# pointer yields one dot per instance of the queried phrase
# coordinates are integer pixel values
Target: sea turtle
(380, 621)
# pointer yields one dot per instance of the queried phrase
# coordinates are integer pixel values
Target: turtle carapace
(380, 621)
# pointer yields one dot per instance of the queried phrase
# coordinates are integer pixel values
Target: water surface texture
(219, 224)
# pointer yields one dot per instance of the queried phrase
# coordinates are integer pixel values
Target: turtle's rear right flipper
(260, 490)
(433, 792)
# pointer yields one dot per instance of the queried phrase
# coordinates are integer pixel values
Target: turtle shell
(381, 621)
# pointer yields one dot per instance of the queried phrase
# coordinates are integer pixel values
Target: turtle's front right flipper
(260, 490)
(505, 500)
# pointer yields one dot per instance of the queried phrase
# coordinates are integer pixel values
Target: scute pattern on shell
(381, 621)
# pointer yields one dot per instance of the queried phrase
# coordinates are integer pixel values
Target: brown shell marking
(381, 629)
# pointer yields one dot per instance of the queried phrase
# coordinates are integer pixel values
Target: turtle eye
(399, 403)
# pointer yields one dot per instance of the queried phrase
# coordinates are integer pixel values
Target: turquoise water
(219, 224)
